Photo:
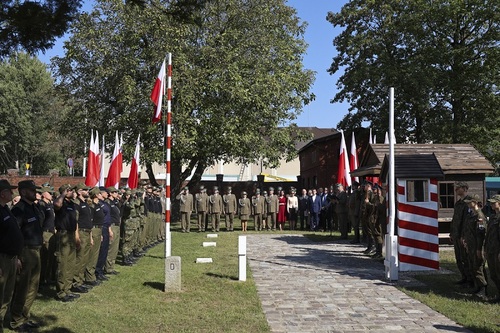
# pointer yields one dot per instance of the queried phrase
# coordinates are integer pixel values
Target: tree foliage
(29, 109)
(442, 57)
(238, 78)
(33, 26)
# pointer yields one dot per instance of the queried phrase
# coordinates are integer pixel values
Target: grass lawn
(213, 300)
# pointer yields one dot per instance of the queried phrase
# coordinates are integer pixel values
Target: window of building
(446, 195)
(417, 191)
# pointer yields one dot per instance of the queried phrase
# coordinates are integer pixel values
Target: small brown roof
(414, 166)
(452, 158)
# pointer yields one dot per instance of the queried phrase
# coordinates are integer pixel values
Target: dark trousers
(103, 252)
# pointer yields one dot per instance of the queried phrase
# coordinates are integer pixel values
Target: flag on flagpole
(92, 177)
(114, 173)
(343, 174)
(386, 139)
(101, 164)
(158, 92)
(353, 158)
(370, 139)
(120, 154)
(133, 178)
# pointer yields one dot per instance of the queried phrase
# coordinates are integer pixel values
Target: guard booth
(417, 206)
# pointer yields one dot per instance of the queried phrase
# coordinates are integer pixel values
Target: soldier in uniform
(187, 207)
(84, 231)
(230, 208)
(258, 211)
(47, 257)
(244, 208)
(11, 248)
(492, 244)
(201, 208)
(474, 233)
(67, 241)
(367, 211)
(114, 243)
(129, 223)
(380, 218)
(97, 224)
(272, 207)
(456, 232)
(354, 207)
(215, 208)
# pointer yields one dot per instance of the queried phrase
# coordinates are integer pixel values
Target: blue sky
(319, 35)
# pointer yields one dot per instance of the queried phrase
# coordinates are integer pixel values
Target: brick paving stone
(306, 286)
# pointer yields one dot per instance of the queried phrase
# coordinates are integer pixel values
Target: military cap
(257, 191)
(39, 190)
(495, 198)
(81, 186)
(202, 188)
(65, 187)
(111, 189)
(338, 185)
(216, 189)
(271, 189)
(280, 188)
(472, 198)
(128, 192)
(367, 182)
(5, 185)
(149, 186)
(186, 188)
(46, 189)
(29, 184)
(229, 188)
(95, 191)
(265, 192)
(462, 185)
(244, 193)
(102, 188)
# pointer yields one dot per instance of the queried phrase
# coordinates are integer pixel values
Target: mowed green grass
(212, 299)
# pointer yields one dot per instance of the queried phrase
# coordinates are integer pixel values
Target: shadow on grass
(47, 320)
(222, 276)
(155, 285)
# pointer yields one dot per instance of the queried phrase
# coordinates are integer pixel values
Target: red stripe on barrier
(426, 229)
(402, 207)
(434, 181)
(417, 244)
(401, 190)
(434, 197)
(418, 261)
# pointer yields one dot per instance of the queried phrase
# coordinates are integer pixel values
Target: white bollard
(242, 258)
(391, 261)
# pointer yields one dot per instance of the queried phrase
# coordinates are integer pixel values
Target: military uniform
(456, 233)
(186, 208)
(230, 209)
(114, 243)
(47, 252)
(258, 210)
(97, 225)
(129, 223)
(30, 218)
(367, 211)
(244, 210)
(11, 247)
(201, 208)
(341, 210)
(215, 208)
(272, 207)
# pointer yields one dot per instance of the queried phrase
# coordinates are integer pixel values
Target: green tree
(29, 109)
(238, 78)
(440, 55)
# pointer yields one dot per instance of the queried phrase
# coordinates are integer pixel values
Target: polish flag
(101, 164)
(133, 178)
(92, 177)
(343, 175)
(353, 158)
(114, 173)
(158, 92)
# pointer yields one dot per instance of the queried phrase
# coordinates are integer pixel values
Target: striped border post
(168, 237)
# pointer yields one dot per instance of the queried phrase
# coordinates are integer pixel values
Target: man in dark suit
(314, 209)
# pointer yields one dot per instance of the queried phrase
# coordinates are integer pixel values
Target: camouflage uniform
(492, 243)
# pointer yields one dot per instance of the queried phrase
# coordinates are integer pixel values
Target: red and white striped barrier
(418, 230)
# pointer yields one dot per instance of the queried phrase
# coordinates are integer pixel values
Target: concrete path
(315, 287)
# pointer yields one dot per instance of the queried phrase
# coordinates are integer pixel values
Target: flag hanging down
(344, 172)
(92, 177)
(158, 92)
(101, 164)
(114, 173)
(386, 139)
(133, 178)
(353, 158)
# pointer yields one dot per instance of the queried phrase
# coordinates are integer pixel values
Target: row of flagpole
(95, 164)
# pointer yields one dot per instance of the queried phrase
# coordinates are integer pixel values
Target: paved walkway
(315, 287)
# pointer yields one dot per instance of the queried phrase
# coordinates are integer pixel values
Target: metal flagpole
(168, 238)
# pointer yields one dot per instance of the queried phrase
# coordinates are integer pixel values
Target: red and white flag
(158, 92)
(353, 158)
(114, 173)
(101, 164)
(92, 177)
(344, 172)
(133, 178)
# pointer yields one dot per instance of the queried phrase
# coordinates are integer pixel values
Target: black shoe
(102, 277)
(32, 324)
(92, 283)
(25, 328)
(112, 273)
(79, 289)
(74, 296)
(66, 299)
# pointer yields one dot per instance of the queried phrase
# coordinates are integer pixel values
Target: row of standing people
(71, 241)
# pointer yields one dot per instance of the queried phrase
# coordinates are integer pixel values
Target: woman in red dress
(282, 210)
